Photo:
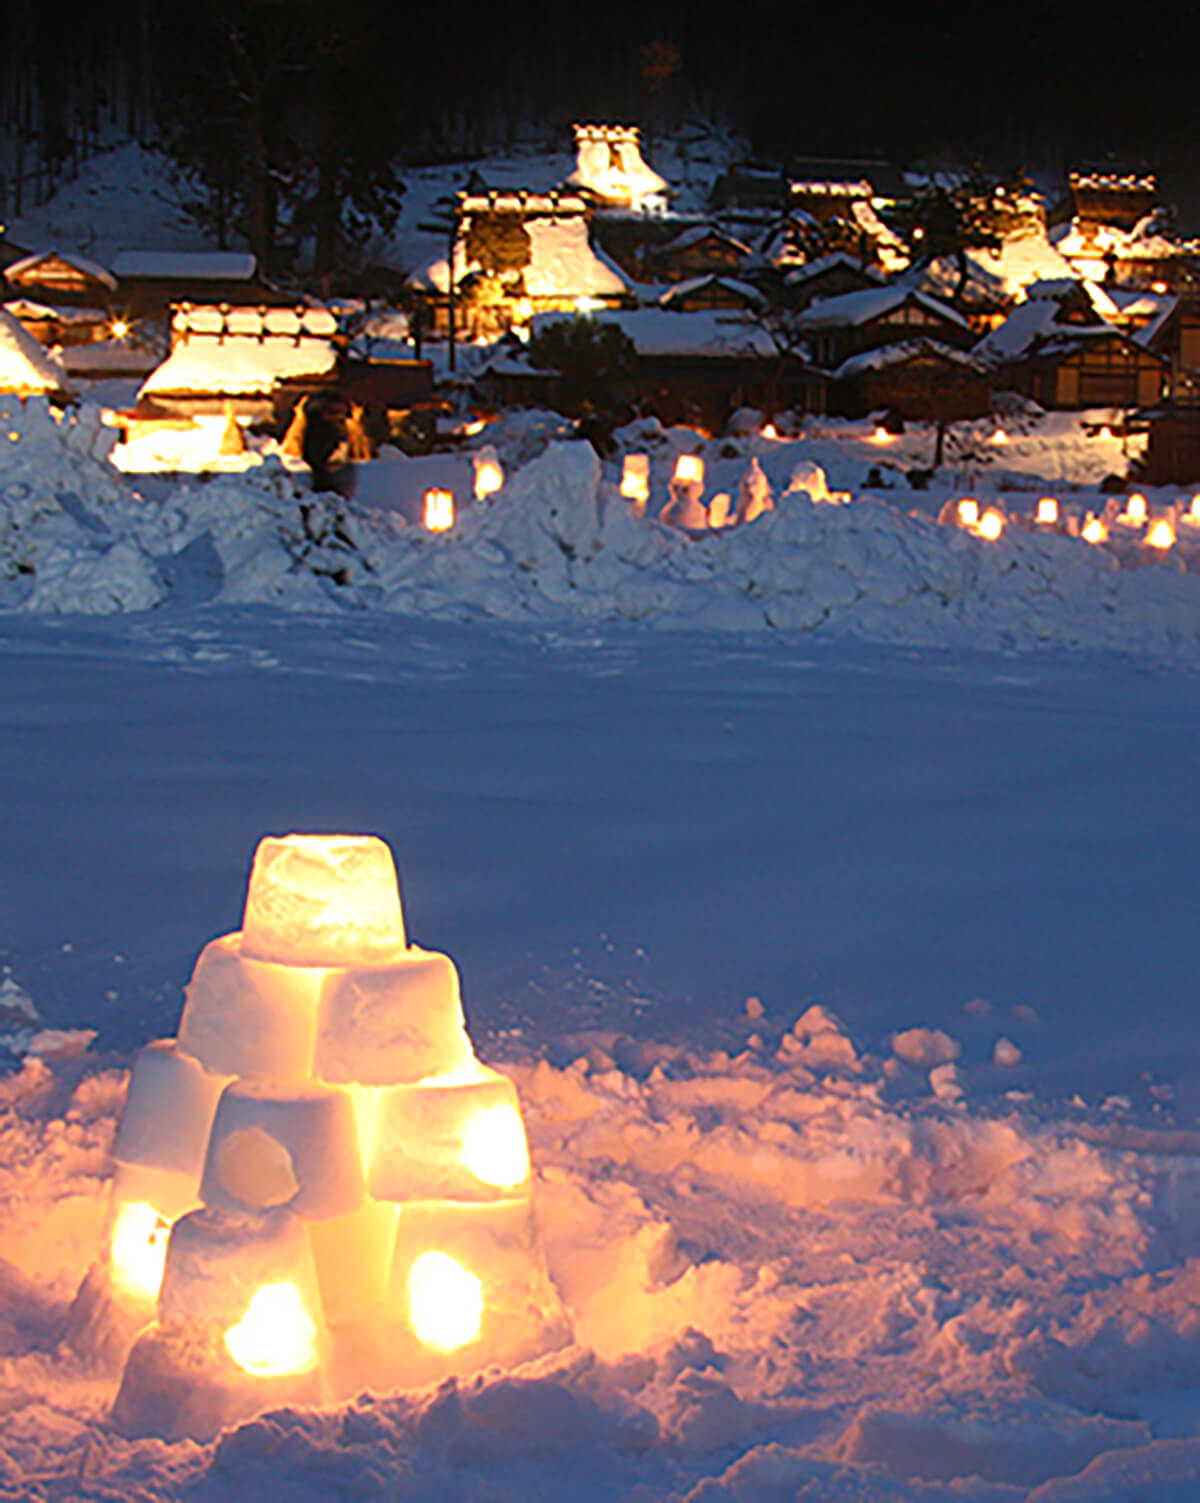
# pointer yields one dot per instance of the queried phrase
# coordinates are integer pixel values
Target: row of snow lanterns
(1159, 533)
(438, 509)
(318, 1184)
(686, 507)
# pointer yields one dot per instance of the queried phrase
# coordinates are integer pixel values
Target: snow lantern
(489, 477)
(991, 525)
(1136, 513)
(318, 1185)
(754, 493)
(1047, 512)
(438, 515)
(635, 480)
(1094, 529)
(1161, 535)
(968, 512)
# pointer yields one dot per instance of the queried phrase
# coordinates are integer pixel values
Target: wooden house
(61, 279)
(919, 380)
(152, 282)
(1119, 199)
(838, 327)
(712, 292)
(826, 199)
(750, 188)
(699, 251)
(828, 277)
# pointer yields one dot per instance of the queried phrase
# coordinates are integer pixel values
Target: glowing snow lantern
(1047, 512)
(1161, 535)
(719, 509)
(1093, 529)
(1105, 432)
(1136, 510)
(991, 525)
(489, 476)
(439, 511)
(635, 480)
(770, 431)
(1194, 511)
(880, 435)
(689, 470)
(968, 513)
(318, 1186)
(999, 437)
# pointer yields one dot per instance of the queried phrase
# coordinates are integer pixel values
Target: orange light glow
(139, 1249)
(489, 478)
(991, 525)
(1161, 535)
(999, 437)
(770, 431)
(719, 509)
(474, 427)
(689, 470)
(119, 329)
(882, 436)
(1136, 510)
(635, 478)
(1047, 512)
(1194, 513)
(1105, 432)
(1093, 529)
(968, 513)
(439, 511)
(495, 1149)
(276, 1338)
(445, 1302)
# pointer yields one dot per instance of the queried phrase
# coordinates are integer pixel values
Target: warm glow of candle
(1136, 510)
(882, 436)
(276, 1337)
(489, 478)
(1161, 535)
(495, 1148)
(999, 437)
(635, 478)
(770, 431)
(689, 470)
(991, 525)
(139, 1249)
(445, 1302)
(439, 511)
(1195, 511)
(1047, 512)
(1105, 432)
(1093, 530)
(968, 513)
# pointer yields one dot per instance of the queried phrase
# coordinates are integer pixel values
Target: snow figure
(232, 441)
(318, 1185)
(686, 508)
(719, 510)
(810, 478)
(292, 442)
(754, 493)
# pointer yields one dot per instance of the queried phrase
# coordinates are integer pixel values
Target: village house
(518, 254)
(708, 292)
(920, 380)
(698, 251)
(838, 327)
(828, 277)
(151, 282)
(1058, 348)
(62, 279)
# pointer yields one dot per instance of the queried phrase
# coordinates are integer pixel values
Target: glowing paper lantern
(438, 515)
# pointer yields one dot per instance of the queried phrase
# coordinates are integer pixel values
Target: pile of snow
(238, 365)
(794, 1269)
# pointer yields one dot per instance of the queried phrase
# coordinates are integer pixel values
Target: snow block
(249, 1017)
(387, 1025)
(457, 1139)
(168, 1112)
(323, 900)
(218, 1260)
(284, 1143)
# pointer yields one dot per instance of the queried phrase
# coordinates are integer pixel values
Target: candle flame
(689, 469)
(968, 513)
(445, 1302)
(276, 1338)
(991, 525)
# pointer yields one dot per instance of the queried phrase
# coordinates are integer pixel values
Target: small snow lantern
(635, 480)
(439, 511)
(1094, 529)
(968, 512)
(1047, 512)
(1161, 535)
(318, 1185)
(991, 525)
(489, 477)
(689, 470)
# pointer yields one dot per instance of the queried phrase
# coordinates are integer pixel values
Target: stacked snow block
(318, 1185)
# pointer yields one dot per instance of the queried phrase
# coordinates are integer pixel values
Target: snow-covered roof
(238, 365)
(21, 269)
(832, 188)
(658, 331)
(851, 309)
(902, 354)
(608, 163)
(186, 266)
(697, 234)
(261, 323)
(740, 289)
(831, 262)
(563, 263)
(26, 367)
(1022, 259)
(24, 307)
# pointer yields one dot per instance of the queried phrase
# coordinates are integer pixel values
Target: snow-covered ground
(826, 886)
